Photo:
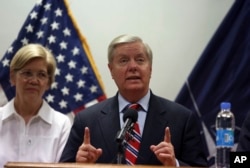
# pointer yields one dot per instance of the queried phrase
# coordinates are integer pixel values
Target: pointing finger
(167, 137)
(86, 137)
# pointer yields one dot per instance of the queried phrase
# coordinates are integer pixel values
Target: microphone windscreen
(130, 113)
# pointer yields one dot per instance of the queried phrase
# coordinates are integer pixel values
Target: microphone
(130, 117)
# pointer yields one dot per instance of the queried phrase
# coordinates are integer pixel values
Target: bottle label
(224, 138)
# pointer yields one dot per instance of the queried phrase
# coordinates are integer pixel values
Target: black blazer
(104, 123)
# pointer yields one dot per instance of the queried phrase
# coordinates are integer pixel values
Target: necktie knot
(134, 106)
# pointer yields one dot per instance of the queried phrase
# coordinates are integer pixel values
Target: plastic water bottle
(225, 124)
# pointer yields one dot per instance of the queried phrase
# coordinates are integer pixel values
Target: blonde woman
(30, 130)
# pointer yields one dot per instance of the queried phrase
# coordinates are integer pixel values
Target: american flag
(77, 83)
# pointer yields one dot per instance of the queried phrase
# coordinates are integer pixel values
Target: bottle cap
(225, 105)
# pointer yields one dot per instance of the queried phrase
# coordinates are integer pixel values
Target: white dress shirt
(141, 113)
(42, 139)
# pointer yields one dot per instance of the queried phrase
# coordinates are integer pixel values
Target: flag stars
(60, 58)
(54, 85)
(78, 97)
(65, 91)
(93, 89)
(75, 51)
(44, 20)
(39, 3)
(50, 98)
(29, 28)
(25, 41)
(69, 78)
(63, 45)
(57, 72)
(47, 6)
(81, 84)
(33, 15)
(54, 26)
(84, 70)
(6, 62)
(72, 64)
(51, 26)
(66, 32)
(58, 12)
(52, 39)
(39, 34)
(63, 104)
(10, 50)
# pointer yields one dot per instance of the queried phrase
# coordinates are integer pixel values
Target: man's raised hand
(86, 152)
(164, 151)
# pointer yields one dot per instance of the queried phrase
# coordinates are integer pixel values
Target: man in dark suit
(93, 134)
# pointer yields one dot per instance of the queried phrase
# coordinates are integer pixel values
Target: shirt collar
(44, 112)
(8, 110)
(143, 102)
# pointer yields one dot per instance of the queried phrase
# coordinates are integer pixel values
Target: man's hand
(86, 152)
(164, 151)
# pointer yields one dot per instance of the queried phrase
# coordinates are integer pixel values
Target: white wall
(177, 31)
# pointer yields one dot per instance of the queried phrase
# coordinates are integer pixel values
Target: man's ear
(110, 69)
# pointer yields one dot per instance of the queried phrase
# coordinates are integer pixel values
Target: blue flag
(222, 74)
(77, 82)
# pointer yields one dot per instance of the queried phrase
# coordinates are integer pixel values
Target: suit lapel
(110, 124)
(153, 132)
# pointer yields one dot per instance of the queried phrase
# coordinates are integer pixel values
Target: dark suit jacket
(103, 122)
(244, 139)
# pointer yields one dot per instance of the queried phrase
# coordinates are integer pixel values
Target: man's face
(131, 68)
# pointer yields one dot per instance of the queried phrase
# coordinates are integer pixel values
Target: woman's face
(31, 81)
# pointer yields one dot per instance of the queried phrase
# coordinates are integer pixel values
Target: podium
(70, 165)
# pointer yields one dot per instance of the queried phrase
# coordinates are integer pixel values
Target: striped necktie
(133, 143)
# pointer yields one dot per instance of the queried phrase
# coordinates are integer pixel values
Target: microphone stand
(120, 153)
(121, 140)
